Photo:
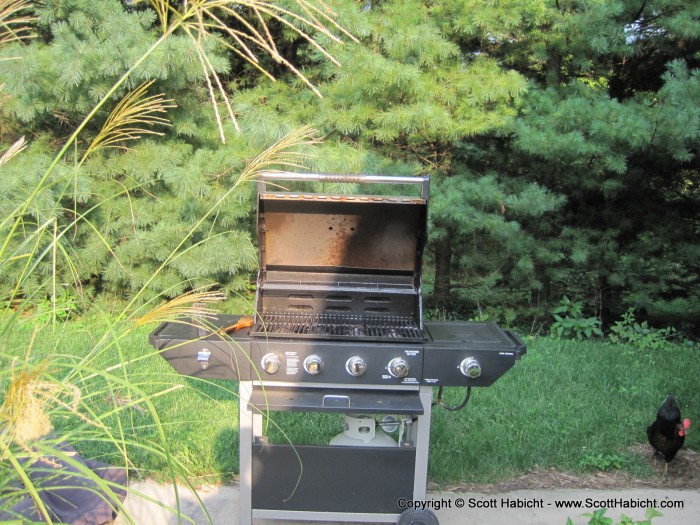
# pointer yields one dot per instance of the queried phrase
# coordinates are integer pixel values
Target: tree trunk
(443, 270)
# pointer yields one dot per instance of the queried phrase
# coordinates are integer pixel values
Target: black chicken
(667, 433)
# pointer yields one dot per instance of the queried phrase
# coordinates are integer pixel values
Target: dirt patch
(683, 472)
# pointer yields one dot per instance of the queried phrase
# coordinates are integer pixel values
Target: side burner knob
(356, 366)
(398, 367)
(271, 363)
(313, 364)
(470, 367)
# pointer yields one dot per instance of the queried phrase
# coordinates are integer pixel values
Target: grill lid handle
(268, 176)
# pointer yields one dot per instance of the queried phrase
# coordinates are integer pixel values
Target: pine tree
(613, 125)
(561, 138)
(115, 208)
(562, 151)
(413, 98)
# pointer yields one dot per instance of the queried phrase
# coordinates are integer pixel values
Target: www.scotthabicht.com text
(539, 503)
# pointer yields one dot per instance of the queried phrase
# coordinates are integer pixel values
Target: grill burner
(338, 326)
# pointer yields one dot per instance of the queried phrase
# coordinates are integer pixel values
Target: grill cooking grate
(337, 326)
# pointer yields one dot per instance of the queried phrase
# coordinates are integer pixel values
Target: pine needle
(130, 119)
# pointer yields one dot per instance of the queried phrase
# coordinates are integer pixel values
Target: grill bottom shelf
(311, 478)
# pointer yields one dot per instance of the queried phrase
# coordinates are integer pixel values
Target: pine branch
(205, 19)
(284, 152)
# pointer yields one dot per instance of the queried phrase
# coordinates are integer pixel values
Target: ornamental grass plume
(191, 304)
(133, 117)
(16, 148)
(15, 23)
(25, 411)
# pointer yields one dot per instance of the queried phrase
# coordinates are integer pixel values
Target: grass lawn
(573, 406)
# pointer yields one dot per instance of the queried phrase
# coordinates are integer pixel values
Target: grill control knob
(470, 367)
(313, 364)
(271, 363)
(398, 367)
(356, 366)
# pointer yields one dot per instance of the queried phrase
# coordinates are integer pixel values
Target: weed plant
(599, 518)
(640, 335)
(570, 323)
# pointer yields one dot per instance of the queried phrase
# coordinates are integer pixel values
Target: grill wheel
(418, 517)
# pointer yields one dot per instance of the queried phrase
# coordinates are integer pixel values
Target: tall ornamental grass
(90, 397)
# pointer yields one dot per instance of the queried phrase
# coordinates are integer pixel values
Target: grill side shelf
(493, 349)
(204, 353)
(520, 347)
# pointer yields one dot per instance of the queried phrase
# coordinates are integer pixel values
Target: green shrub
(605, 462)
(640, 335)
(598, 518)
(569, 322)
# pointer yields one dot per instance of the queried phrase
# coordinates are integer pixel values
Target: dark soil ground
(683, 472)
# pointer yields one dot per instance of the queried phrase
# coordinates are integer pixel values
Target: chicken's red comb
(686, 424)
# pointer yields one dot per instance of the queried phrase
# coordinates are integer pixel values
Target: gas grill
(339, 328)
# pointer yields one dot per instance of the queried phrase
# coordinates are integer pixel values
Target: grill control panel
(340, 363)
(457, 354)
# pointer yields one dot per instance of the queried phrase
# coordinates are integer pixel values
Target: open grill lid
(332, 266)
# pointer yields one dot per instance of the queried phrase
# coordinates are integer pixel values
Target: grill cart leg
(250, 424)
(421, 438)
